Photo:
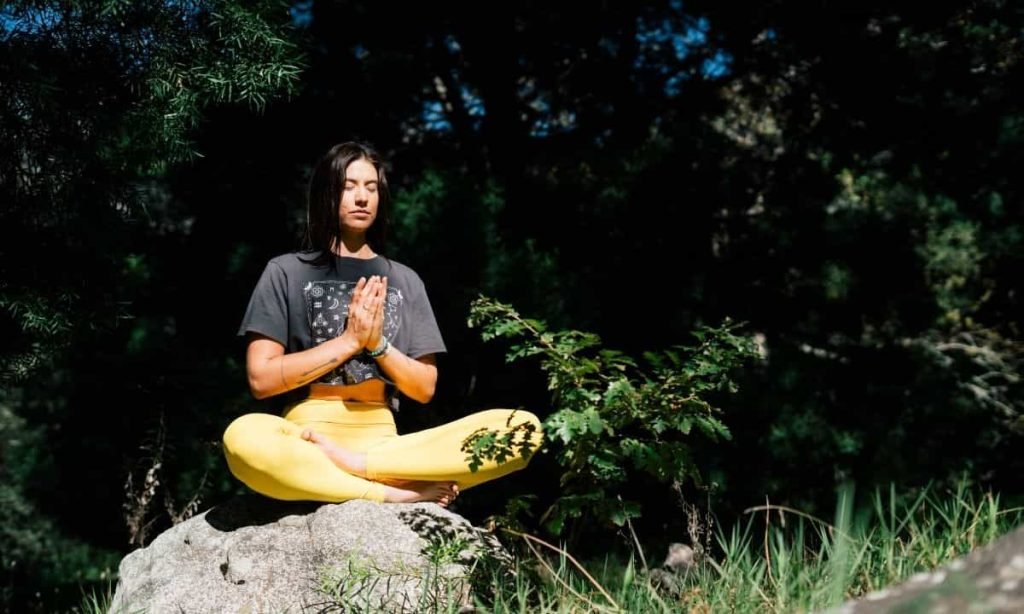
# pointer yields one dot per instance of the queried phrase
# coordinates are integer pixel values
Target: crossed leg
(268, 454)
(435, 455)
(328, 462)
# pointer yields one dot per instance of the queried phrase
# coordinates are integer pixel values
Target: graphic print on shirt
(327, 304)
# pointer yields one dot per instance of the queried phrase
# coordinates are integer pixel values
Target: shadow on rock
(255, 510)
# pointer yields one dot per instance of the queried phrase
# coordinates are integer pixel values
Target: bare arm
(272, 372)
(415, 377)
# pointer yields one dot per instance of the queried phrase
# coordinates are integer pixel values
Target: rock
(254, 554)
(680, 558)
(990, 579)
(671, 577)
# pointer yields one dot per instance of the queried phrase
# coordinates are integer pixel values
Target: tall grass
(777, 560)
(781, 560)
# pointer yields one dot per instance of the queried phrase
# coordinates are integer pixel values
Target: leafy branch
(612, 418)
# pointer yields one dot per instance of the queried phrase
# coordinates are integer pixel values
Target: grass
(777, 560)
(781, 560)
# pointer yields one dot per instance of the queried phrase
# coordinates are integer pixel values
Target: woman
(343, 330)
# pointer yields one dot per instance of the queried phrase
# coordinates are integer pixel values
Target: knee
(523, 417)
(535, 434)
(525, 424)
(245, 437)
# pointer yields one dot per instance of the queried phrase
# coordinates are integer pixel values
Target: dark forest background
(844, 178)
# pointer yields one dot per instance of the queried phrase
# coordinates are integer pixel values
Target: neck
(354, 247)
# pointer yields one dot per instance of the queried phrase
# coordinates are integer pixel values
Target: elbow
(257, 390)
(425, 394)
(427, 384)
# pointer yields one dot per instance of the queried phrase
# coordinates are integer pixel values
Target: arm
(272, 372)
(415, 377)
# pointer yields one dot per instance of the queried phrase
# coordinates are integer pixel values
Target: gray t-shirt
(301, 305)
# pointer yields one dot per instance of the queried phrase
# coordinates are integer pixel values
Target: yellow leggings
(267, 452)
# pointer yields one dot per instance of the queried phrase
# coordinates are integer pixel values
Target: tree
(98, 99)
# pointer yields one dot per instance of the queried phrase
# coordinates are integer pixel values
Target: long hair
(326, 185)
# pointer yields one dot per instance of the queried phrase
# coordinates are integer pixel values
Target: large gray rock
(990, 579)
(253, 555)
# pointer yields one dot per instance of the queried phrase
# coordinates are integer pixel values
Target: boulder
(254, 554)
(990, 579)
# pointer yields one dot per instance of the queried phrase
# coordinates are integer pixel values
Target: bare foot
(395, 490)
(351, 462)
(442, 493)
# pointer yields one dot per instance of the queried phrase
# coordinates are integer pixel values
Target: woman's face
(359, 200)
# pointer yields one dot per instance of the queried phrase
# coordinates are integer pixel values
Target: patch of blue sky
(717, 66)
(674, 84)
(695, 35)
(301, 13)
(434, 117)
(542, 126)
(472, 101)
(681, 38)
(665, 43)
(549, 122)
(540, 129)
(452, 44)
(189, 8)
(28, 20)
(553, 124)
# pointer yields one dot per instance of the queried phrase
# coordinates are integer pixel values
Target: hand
(377, 329)
(363, 312)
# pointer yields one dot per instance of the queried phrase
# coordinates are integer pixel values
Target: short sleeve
(267, 313)
(425, 337)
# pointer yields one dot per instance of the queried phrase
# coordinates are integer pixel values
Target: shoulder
(397, 268)
(404, 276)
(292, 261)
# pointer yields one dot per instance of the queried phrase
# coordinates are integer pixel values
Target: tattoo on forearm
(312, 374)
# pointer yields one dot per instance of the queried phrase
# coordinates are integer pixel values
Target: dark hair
(326, 185)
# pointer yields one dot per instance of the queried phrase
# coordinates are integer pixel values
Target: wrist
(381, 349)
(349, 345)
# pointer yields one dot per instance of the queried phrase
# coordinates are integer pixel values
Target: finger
(357, 293)
(373, 300)
(366, 294)
(378, 297)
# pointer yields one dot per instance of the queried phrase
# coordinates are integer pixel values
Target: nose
(361, 195)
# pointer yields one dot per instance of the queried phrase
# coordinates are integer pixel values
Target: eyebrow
(349, 179)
